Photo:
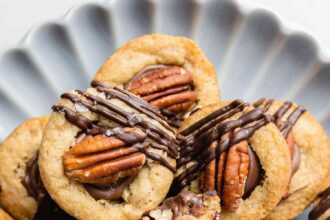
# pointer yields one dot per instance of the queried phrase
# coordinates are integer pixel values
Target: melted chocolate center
(112, 192)
(47, 208)
(254, 175)
(32, 180)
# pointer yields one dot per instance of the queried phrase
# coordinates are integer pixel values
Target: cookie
(4, 215)
(236, 150)
(310, 152)
(18, 195)
(321, 209)
(170, 72)
(187, 205)
(107, 154)
(23, 193)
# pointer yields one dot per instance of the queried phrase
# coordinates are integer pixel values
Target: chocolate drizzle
(202, 133)
(82, 122)
(136, 103)
(288, 124)
(95, 84)
(145, 71)
(285, 125)
(111, 192)
(116, 114)
(322, 206)
(175, 120)
(160, 139)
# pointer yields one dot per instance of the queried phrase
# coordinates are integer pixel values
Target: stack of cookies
(151, 139)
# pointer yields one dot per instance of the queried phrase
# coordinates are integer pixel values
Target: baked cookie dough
(187, 205)
(107, 154)
(236, 150)
(321, 210)
(15, 153)
(310, 153)
(4, 215)
(22, 192)
(169, 72)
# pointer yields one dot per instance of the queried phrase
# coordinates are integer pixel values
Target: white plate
(254, 54)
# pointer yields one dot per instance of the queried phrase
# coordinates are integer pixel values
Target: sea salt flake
(133, 119)
(102, 95)
(80, 107)
(109, 133)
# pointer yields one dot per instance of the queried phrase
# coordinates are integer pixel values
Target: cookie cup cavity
(15, 152)
(148, 50)
(314, 151)
(147, 190)
(272, 151)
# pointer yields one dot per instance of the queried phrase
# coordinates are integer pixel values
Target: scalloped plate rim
(243, 7)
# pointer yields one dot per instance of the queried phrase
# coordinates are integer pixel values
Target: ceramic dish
(254, 54)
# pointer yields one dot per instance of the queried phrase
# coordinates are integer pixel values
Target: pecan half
(227, 173)
(167, 87)
(103, 160)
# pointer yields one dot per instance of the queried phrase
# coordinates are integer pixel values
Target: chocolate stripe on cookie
(322, 206)
(122, 117)
(107, 159)
(290, 121)
(197, 137)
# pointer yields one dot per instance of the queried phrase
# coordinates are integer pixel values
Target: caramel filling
(110, 192)
(294, 153)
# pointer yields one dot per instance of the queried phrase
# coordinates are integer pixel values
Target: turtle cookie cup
(22, 192)
(236, 150)
(107, 154)
(309, 150)
(169, 72)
